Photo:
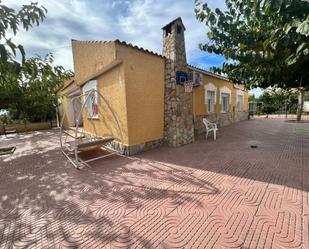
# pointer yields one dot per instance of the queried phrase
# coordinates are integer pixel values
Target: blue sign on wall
(181, 77)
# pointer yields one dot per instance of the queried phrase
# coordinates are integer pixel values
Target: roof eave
(208, 73)
(105, 69)
(63, 86)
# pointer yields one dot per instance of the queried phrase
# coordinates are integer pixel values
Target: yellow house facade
(207, 101)
(147, 103)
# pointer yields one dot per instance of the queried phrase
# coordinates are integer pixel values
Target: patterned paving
(220, 194)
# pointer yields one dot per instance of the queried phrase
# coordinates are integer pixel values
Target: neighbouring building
(145, 90)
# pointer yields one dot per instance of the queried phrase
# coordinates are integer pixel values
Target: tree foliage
(265, 42)
(268, 101)
(11, 22)
(36, 89)
(27, 85)
(278, 100)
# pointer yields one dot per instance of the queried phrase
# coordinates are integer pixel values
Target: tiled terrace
(210, 194)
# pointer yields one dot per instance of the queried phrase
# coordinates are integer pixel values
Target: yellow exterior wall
(90, 57)
(199, 107)
(62, 94)
(144, 80)
(134, 90)
(64, 102)
(245, 105)
(112, 87)
(246, 101)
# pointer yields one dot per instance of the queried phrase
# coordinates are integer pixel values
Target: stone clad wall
(170, 103)
(178, 116)
(222, 119)
(135, 149)
(180, 124)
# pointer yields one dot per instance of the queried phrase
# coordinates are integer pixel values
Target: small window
(210, 101)
(240, 99)
(179, 29)
(91, 98)
(225, 102)
(92, 105)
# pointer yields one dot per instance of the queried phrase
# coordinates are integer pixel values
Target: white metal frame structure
(81, 140)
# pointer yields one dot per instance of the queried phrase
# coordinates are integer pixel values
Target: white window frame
(211, 101)
(225, 91)
(225, 95)
(90, 86)
(239, 104)
(210, 87)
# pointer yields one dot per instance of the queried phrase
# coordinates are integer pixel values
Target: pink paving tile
(208, 194)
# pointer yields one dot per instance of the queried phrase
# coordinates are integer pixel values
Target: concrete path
(210, 194)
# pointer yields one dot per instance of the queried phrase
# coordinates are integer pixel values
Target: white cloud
(257, 92)
(137, 21)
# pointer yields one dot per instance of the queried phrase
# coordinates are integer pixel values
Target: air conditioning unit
(197, 78)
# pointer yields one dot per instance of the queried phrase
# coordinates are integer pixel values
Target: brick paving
(210, 194)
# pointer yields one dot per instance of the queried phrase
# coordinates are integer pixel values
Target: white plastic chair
(210, 127)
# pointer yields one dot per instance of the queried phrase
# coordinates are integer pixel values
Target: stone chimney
(174, 43)
(178, 118)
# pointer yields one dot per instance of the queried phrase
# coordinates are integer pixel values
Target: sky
(135, 21)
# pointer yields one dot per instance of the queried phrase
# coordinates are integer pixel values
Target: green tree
(269, 104)
(278, 100)
(265, 42)
(27, 85)
(37, 89)
(252, 98)
(11, 22)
